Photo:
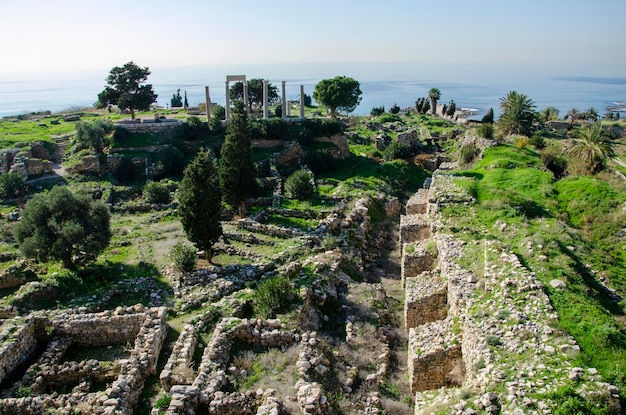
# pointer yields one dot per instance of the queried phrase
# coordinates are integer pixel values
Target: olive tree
(71, 227)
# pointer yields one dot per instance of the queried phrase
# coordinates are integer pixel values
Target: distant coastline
(470, 85)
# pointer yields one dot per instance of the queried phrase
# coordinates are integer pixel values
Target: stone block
(417, 258)
(414, 228)
(426, 299)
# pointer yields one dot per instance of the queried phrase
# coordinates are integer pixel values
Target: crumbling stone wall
(17, 344)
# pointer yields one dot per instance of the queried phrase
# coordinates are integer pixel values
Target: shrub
(163, 402)
(155, 192)
(396, 150)
(120, 134)
(277, 129)
(299, 186)
(376, 111)
(323, 127)
(319, 161)
(522, 142)
(304, 136)
(394, 109)
(272, 296)
(468, 153)
(537, 141)
(389, 118)
(12, 185)
(194, 129)
(126, 171)
(556, 163)
(486, 131)
(171, 162)
(183, 256)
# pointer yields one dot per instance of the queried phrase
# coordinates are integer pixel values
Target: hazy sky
(68, 35)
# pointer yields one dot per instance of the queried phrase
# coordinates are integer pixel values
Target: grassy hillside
(568, 230)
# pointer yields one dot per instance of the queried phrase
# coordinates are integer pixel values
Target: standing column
(266, 113)
(207, 99)
(284, 103)
(301, 102)
(245, 96)
(227, 102)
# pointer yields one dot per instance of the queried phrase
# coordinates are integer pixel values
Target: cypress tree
(236, 171)
(200, 201)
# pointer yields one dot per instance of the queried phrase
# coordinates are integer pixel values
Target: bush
(183, 256)
(126, 171)
(394, 109)
(376, 111)
(556, 163)
(537, 141)
(304, 136)
(277, 129)
(299, 186)
(468, 153)
(521, 142)
(319, 161)
(323, 127)
(155, 192)
(12, 185)
(194, 129)
(171, 162)
(486, 131)
(120, 134)
(272, 296)
(396, 150)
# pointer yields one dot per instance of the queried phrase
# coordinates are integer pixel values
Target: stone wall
(17, 344)
(151, 127)
(414, 228)
(426, 299)
(127, 375)
(16, 275)
(416, 258)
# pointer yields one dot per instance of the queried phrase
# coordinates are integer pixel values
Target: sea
(478, 87)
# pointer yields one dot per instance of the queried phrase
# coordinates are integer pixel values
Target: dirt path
(384, 268)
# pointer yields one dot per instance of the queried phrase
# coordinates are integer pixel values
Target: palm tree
(593, 147)
(592, 114)
(518, 114)
(573, 115)
(434, 94)
(549, 113)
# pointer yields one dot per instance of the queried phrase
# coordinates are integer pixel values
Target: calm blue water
(478, 86)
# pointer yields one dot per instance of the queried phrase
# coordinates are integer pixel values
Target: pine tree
(186, 102)
(199, 202)
(236, 171)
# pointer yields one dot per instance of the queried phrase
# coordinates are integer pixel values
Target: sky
(72, 35)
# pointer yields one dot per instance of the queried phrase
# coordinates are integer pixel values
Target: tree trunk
(242, 210)
(132, 113)
(209, 255)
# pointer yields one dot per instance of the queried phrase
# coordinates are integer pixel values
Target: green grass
(12, 133)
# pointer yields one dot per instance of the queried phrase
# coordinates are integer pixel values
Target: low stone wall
(17, 344)
(100, 330)
(123, 394)
(152, 127)
(16, 275)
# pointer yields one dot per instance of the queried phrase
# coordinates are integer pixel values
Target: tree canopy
(339, 93)
(236, 171)
(127, 89)
(71, 227)
(200, 201)
(255, 92)
(95, 135)
(518, 114)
